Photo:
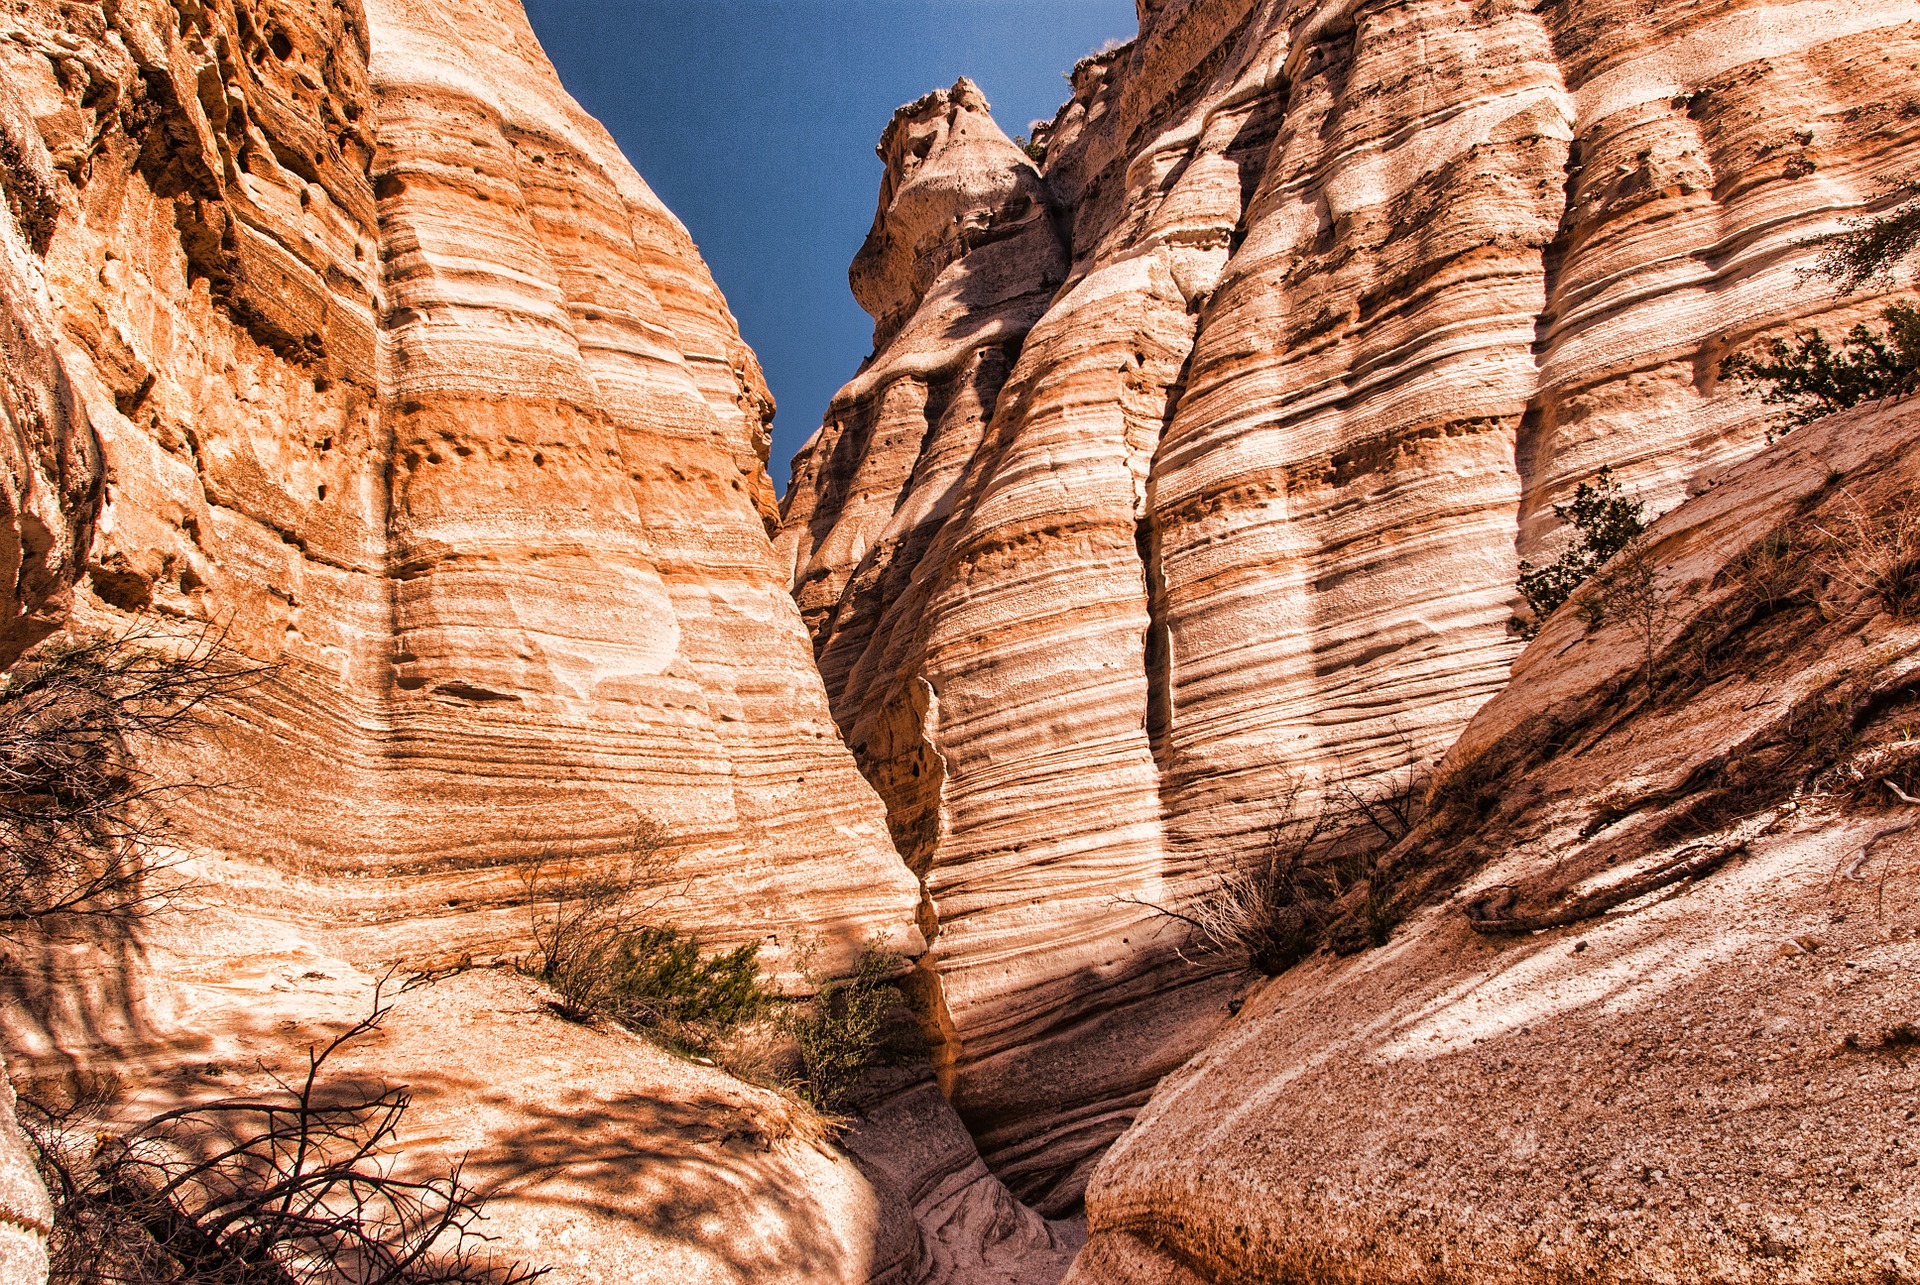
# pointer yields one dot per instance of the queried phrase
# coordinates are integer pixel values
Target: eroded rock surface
(1706, 1081)
(403, 376)
(1098, 557)
(343, 333)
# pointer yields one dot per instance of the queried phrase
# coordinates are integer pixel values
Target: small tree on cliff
(1604, 521)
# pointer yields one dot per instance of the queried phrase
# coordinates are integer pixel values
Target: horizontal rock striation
(1657, 1032)
(1217, 478)
(402, 376)
(342, 334)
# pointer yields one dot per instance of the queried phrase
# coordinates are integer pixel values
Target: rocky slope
(1201, 458)
(1663, 1029)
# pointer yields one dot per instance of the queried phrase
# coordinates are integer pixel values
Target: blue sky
(755, 120)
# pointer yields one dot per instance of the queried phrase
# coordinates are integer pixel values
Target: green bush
(1604, 522)
(841, 1033)
(594, 946)
(657, 978)
(1867, 252)
(1815, 379)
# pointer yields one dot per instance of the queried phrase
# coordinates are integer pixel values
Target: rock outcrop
(343, 335)
(1201, 458)
(1662, 1030)
(403, 377)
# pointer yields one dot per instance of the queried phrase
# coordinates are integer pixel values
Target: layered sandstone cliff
(402, 375)
(1201, 457)
(345, 334)
(1678, 1044)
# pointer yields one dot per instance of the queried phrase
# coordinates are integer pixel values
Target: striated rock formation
(344, 334)
(402, 376)
(1706, 1081)
(1218, 476)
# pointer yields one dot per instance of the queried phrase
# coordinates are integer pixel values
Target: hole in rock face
(468, 692)
(281, 46)
(127, 590)
(321, 490)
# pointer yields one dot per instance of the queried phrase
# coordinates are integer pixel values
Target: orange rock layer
(402, 377)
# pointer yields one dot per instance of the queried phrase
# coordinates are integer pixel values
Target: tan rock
(1637, 1089)
(406, 384)
(406, 379)
(26, 1215)
(1355, 296)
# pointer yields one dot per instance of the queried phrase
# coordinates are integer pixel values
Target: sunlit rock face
(402, 376)
(1669, 1048)
(1220, 474)
(344, 333)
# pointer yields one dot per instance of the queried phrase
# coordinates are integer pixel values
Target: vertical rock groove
(1351, 294)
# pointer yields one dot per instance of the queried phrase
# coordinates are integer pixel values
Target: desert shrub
(840, 1033)
(595, 945)
(1604, 521)
(1322, 879)
(1874, 554)
(1631, 592)
(1771, 571)
(1871, 247)
(299, 1186)
(660, 979)
(1814, 379)
(79, 825)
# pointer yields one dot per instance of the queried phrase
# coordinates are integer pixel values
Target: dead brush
(1873, 554)
(295, 1186)
(1772, 571)
(1322, 878)
(83, 827)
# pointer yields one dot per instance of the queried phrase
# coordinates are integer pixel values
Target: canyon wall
(404, 381)
(1199, 459)
(342, 336)
(1654, 1020)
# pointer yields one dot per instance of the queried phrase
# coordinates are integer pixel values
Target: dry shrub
(1323, 878)
(80, 824)
(1631, 592)
(842, 1031)
(1875, 554)
(1771, 572)
(294, 1187)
